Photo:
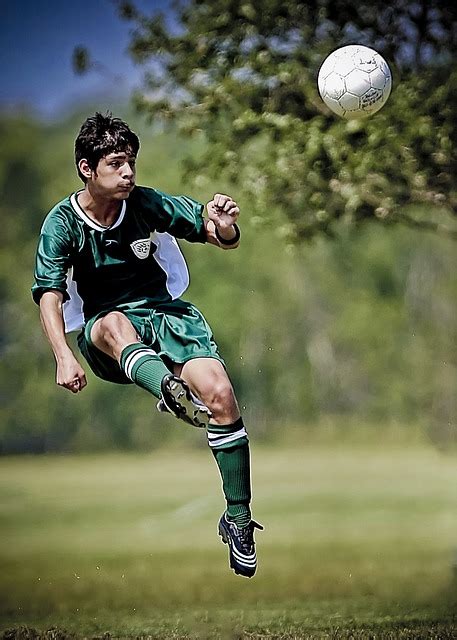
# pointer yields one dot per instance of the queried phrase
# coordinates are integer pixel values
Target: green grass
(356, 541)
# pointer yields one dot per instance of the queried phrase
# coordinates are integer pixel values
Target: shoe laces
(246, 535)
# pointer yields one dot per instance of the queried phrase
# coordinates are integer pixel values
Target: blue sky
(37, 41)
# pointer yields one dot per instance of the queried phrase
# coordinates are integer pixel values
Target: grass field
(357, 543)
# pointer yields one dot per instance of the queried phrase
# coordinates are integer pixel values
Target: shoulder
(150, 197)
(61, 214)
(62, 223)
(146, 197)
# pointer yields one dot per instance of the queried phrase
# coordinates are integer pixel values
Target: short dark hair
(103, 134)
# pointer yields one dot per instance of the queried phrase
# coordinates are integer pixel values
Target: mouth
(127, 187)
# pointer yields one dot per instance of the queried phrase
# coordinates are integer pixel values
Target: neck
(105, 211)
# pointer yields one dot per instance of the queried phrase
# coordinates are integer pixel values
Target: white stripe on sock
(133, 358)
(217, 439)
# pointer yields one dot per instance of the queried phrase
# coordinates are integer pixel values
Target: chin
(123, 195)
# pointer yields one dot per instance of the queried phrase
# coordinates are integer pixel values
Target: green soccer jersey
(135, 259)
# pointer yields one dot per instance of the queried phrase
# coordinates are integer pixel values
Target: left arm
(221, 227)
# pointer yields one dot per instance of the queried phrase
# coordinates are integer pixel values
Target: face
(114, 177)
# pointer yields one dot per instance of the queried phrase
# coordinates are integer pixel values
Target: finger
(212, 208)
(233, 212)
(229, 204)
(74, 385)
(220, 199)
(229, 217)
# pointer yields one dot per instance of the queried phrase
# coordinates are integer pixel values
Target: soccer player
(108, 263)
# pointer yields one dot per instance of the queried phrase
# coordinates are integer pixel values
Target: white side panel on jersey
(169, 257)
(73, 315)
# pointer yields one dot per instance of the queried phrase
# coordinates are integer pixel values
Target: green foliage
(244, 73)
(362, 328)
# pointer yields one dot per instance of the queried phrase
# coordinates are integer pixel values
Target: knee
(112, 323)
(219, 396)
(113, 328)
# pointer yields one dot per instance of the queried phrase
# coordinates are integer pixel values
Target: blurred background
(334, 311)
(336, 316)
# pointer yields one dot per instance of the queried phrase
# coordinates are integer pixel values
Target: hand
(223, 211)
(70, 374)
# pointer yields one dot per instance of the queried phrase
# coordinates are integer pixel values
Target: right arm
(53, 260)
(69, 373)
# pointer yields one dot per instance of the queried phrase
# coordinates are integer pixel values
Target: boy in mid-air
(108, 263)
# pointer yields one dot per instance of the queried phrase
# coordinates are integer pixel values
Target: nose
(127, 171)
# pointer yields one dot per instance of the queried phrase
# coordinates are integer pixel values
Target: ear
(84, 168)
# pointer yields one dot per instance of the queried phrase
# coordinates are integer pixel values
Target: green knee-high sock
(230, 446)
(144, 367)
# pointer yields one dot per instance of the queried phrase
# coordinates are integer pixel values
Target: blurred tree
(244, 72)
(354, 332)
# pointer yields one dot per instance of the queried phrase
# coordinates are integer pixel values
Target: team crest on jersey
(141, 248)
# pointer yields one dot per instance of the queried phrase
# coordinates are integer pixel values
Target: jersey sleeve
(180, 216)
(52, 258)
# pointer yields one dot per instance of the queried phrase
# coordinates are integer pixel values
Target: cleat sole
(179, 401)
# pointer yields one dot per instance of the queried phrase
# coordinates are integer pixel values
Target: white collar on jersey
(98, 227)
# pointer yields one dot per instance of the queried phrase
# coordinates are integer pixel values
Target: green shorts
(176, 330)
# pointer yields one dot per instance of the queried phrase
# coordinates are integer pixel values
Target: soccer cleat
(179, 400)
(242, 555)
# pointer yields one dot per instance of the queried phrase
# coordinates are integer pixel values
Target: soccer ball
(354, 81)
